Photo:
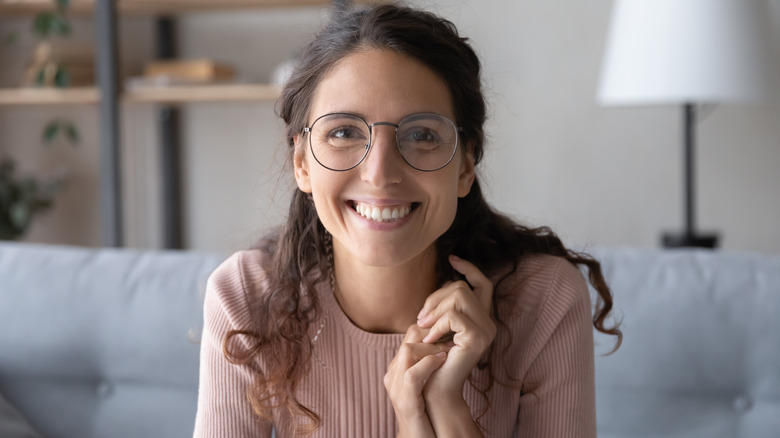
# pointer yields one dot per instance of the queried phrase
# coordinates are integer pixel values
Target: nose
(383, 165)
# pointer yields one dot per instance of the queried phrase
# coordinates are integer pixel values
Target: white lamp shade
(676, 51)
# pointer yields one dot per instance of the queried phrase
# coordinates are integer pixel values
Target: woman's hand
(406, 377)
(456, 308)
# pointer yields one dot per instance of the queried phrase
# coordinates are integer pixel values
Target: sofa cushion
(701, 353)
(102, 342)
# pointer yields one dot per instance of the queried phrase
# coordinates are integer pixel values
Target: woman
(395, 301)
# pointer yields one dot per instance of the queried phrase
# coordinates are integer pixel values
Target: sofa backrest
(701, 353)
(102, 343)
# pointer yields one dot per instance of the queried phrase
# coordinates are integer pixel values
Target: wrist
(449, 406)
(451, 417)
(414, 425)
(443, 398)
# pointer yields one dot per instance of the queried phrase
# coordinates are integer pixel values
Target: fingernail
(422, 313)
(454, 257)
(441, 354)
(427, 338)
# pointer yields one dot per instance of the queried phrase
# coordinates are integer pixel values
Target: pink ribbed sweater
(550, 357)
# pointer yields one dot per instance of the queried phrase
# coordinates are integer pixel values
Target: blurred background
(597, 175)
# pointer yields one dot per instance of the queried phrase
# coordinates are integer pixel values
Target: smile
(389, 213)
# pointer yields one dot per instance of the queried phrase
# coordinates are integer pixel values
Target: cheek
(326, 191)
(324, 209)
(446, 206)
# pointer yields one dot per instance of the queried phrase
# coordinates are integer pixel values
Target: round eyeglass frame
(458, 130)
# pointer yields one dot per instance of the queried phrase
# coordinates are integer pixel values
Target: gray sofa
(103, 343)
(701, 355)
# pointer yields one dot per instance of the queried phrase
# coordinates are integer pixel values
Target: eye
(345, 136)
(344, 132)
(420, 138)
(423, 135)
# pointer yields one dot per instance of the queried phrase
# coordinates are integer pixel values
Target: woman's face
(383, 86)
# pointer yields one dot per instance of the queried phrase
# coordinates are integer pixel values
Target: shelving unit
(49, 96)
(155, 7)
(110, 96)
(178, 94)
(203, 93)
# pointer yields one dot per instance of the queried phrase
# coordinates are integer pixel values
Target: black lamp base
(685, 240)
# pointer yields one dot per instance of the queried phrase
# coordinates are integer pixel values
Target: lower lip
(383, 226)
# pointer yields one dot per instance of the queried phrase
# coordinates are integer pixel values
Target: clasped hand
(425, 378)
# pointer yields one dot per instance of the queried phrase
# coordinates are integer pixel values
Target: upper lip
(383, 202)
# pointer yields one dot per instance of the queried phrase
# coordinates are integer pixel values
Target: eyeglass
(341, 141)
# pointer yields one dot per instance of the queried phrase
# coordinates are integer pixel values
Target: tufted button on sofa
(701, 354)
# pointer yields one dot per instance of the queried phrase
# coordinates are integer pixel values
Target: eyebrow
(364, 117)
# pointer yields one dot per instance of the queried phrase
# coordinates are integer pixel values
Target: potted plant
(23, 197)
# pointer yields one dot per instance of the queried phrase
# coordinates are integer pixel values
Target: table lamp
(688, 53)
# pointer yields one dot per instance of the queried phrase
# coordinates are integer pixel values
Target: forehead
(381, 85)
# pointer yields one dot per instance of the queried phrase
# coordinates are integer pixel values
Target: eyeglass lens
(426, 141)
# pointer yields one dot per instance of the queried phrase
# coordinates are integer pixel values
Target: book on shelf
(188, 71)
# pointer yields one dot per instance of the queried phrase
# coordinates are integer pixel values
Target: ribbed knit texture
(545, 379)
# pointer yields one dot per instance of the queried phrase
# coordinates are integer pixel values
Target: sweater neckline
(337, 319)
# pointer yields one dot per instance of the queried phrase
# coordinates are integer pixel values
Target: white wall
(609, 176)
(606, 176)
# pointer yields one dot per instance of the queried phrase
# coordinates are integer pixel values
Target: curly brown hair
(299, 251)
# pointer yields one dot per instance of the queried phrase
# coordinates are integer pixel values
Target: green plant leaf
(72, 133)
(60, 25)
(42, 24)
(61, 77)
(5, 194)
(50, 131)
(39, 77)
(19, 215)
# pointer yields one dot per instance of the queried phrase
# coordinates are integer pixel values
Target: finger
(469, 335)
(407, 356)
(411, 353)
(460, 298)
(414, 334)
(451, 321)
(483, 287)
(442, 300)
(418, 374)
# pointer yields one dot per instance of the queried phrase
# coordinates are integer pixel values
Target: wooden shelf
(171, 94)
(25, 7)
(49, 96)
(203, 93)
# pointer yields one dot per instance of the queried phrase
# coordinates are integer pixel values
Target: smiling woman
(403, 91)
(393, 283)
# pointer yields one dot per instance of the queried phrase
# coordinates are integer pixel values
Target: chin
(382, 258)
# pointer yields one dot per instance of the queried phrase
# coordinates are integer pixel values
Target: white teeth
(383, 214)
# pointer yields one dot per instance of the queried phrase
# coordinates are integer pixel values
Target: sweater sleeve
(558, 393)
(223, 407)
